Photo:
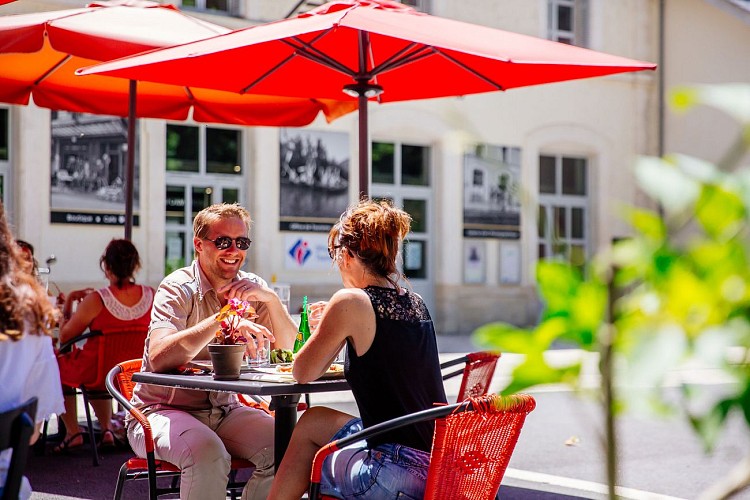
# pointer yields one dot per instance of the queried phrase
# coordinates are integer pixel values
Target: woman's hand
(315, 314)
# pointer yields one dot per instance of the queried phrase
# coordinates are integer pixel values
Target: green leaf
(647, 223)
(720, 212)
(505, 338)
(535, 371)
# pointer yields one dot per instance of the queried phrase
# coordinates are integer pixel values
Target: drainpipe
(661, 84)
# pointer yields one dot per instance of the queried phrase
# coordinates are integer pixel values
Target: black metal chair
(114, 347)
(16, 429)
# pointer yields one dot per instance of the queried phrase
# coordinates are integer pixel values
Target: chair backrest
(16, 429)
(122, 379)
(116, 347)
(477, 374)
(471, 449)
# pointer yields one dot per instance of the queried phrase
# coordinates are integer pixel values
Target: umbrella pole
(130, 167)
(364, 148)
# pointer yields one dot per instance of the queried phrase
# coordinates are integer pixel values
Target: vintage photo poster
(492, 190)
(88, 162)
(475, 262)
(314, 177)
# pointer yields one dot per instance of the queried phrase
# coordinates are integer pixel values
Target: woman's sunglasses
(224, 242)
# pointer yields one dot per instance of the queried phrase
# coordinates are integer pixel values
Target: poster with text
(307, 251)
(492, 190)
(314, 189)
(88, 164)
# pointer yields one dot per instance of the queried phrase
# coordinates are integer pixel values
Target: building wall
(611, 120)
(706, 41)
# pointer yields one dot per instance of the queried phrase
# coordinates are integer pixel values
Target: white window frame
(420, 5)
(579, 16)
(5, 167)
(214, 181)
(233, 8)
(559, 245)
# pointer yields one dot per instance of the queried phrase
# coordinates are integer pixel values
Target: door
(203, 167)
(402, 174)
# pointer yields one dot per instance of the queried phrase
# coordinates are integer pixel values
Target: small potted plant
(228, 347)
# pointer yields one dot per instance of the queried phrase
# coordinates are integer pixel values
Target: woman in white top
(27, 359)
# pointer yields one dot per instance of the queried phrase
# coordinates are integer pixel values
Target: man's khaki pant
(201, 444)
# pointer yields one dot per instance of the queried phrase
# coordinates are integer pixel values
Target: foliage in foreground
(676, 293)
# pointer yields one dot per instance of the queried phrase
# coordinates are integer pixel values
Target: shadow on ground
(72, 476)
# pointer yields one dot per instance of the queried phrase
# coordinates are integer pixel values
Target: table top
(245, 384)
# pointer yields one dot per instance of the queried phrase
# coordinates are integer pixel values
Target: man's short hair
(219, 211)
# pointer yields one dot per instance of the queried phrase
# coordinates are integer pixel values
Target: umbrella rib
(255, 82)
(399, 59)
(307, 50)
(52, 69)
(469, 69)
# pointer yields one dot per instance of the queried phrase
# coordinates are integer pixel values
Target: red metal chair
(120, 385)
(114, 347)
(471, 448)
(479, 367)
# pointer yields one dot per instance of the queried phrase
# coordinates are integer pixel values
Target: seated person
(122, 304)
(27, 366)
(199, 431)
(391, 365)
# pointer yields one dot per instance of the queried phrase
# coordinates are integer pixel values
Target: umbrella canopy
(370, 49)
(40, 52)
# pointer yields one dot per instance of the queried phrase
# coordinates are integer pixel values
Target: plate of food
(336, 370)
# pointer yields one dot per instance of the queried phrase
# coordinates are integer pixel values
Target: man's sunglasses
(224, 242)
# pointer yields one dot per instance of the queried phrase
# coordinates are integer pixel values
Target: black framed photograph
(88, 169)
(492, 190)
(314, 179)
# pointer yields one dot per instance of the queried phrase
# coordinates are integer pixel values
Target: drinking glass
(283, 291)
(262, 353)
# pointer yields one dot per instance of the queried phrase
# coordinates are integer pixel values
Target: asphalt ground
(558, 455)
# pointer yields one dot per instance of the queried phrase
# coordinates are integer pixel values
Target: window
(5, 190)
(401, 173)
(563, 208)
(203, 165)
(201, 149)
(4, 133)
(567, 21)
(229, 7)
(420, 5)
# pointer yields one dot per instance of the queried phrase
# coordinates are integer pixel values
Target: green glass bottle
(303, 332)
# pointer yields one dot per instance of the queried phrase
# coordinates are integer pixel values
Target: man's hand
(245, 289)
(255, 331)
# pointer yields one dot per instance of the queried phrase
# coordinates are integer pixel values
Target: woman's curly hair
(23, 300)
(372, 230)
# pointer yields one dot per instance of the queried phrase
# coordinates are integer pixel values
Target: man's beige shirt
(183, 299)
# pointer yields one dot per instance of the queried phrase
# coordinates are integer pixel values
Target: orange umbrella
(369, 49)
(40, 52)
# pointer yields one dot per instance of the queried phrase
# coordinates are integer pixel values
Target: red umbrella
(369, 48)
(40, 52)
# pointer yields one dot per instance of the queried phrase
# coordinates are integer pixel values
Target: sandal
(67, 444)
(108, 444)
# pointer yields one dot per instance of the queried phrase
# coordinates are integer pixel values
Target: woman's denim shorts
(386, 471)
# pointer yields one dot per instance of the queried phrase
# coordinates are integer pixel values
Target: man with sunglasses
(199, 430)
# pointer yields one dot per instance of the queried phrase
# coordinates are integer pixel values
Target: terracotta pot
(226, 360)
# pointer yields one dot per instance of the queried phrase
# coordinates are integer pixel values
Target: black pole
(364, 147)
(130, 167)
